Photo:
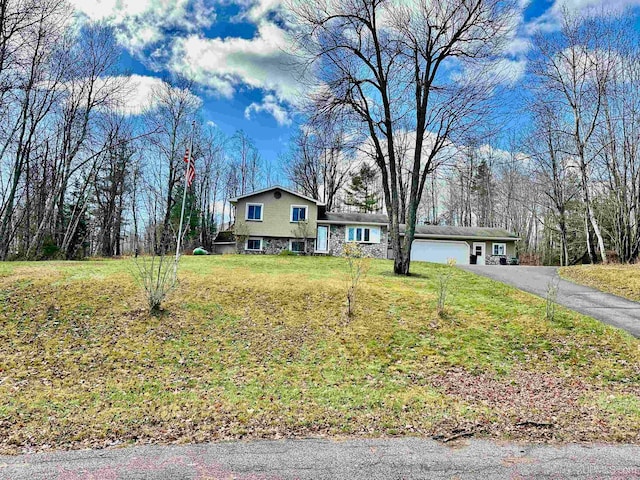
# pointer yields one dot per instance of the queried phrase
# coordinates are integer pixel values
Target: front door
(478, 251)
(322, 239)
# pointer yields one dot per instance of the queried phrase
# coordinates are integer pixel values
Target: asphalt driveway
(316, 459)
(607, 308)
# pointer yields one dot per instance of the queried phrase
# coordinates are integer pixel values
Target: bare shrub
(157, 274)
(443, 285)
(357, 266)
(551, 297)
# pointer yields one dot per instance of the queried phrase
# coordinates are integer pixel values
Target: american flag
(191, 168)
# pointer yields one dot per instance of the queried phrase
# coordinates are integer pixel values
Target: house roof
(353, 218)
(275, 187)
(422, 231)
(446, 231)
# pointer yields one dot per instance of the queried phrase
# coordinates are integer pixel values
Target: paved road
(605, 307)
(388, 459)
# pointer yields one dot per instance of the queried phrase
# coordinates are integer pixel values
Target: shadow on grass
(411, 275)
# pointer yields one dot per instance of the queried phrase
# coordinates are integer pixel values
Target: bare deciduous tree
(171, 121)
(573, 70)
(382, 63)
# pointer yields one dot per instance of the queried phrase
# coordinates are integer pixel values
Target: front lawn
(621, 280)
(259, 346)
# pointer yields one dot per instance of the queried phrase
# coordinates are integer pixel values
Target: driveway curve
(607, 308)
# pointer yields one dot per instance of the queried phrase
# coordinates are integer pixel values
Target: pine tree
(361, 192)
(483, 190)
(192, 213)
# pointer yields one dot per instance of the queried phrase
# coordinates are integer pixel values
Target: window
(296, 246)
(499, 249)
(254, 211)
(363, 234)
(254, 244)
(298, 213)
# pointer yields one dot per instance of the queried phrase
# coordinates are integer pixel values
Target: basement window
(296, 246)
(254, 244)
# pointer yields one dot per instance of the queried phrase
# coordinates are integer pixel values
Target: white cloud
(550, 20)
(518, 46)
(510, 71)
(141, 23)
(168, 35)
(225, 64)
(260, 8)
(269, 105)
(505, 71)
(137, 94)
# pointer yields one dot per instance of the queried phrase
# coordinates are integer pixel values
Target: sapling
(357, 266)
(552, 295)
(443, 285)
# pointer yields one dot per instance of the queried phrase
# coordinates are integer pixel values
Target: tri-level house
(275, 219)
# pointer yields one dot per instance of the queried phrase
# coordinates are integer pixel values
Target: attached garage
(440, 251)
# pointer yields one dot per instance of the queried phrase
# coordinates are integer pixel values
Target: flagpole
(184, 192)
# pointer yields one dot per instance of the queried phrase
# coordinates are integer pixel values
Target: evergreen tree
(192, 214)
(483, 190)
(361, 191)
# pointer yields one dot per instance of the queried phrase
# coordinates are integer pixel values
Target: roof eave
(344, 222)
(277, 187)
(462, 237)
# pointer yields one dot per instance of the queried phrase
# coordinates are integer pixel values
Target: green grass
(259, 346)
(621, 280)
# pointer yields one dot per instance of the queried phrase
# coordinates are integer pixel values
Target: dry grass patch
(621, 280)
(253, 346)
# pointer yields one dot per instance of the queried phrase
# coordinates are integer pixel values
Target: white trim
(484, 252)
(493, 249)
(460, 242)
(291, 240)
(246, 212)
(342, 222)
(246, 244)
(315, 249)
(306, 213)
(275, 187)
(463, 237)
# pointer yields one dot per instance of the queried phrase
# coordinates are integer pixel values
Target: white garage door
(439, 251)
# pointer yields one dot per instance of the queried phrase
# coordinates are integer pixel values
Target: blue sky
(233, 51)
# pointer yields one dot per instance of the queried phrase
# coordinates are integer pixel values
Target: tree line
(81, 174)
(406, 119)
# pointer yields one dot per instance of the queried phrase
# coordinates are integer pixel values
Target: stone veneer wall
(274, 245)
(375, 250)
(494, 259)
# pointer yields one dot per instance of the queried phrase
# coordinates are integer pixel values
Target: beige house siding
(276, 215)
